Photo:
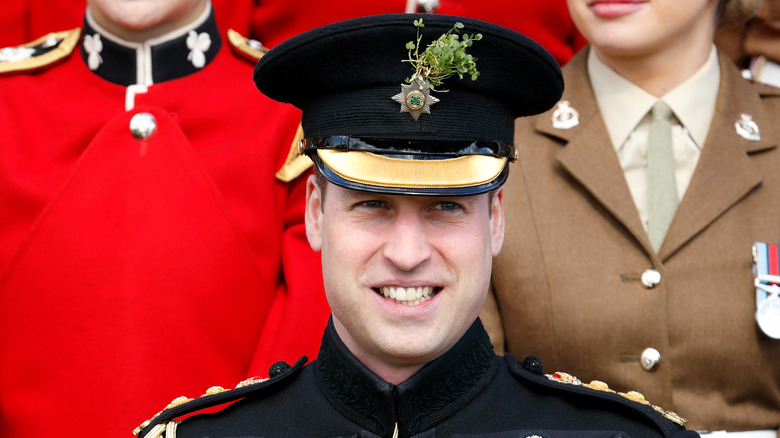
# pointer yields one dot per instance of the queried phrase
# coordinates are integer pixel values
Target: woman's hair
(730, 11)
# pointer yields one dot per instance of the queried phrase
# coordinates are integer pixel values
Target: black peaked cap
(344, 75)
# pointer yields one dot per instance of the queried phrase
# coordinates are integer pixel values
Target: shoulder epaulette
(40, 53)
(531, 369)
(252, 49)
(296, 162)
(164, 423)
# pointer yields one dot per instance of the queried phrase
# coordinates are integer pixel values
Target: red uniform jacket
(133, 271)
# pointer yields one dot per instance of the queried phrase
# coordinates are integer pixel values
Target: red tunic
(132, 272)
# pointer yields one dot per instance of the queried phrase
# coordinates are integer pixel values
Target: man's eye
(446, 206)
(372, 204)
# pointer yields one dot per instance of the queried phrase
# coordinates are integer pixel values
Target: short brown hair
(732, 11)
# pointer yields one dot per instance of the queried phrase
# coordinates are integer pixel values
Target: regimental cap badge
(415, 98)
(747, 128)
(564, 116)
(444, 57)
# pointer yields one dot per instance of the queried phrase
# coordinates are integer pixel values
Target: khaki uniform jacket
(567, 281)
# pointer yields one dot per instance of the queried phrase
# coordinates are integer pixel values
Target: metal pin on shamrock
(442, 58)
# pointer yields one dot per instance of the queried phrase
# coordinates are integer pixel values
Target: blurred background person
(547, 22)
(645, 189)
(27, 20)
(755, 44)
(272, 21)
(146, 242)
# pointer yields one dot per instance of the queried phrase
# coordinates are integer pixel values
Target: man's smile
(409, 296)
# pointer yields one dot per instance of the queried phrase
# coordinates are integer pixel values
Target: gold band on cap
(377, 170)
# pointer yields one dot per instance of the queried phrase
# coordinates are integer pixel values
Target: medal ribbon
(767, 282)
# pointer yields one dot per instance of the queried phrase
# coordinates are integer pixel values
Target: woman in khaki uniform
(581, 284)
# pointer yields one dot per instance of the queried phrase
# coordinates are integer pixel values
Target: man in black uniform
(407, 210)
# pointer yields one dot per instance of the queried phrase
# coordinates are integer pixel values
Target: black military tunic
(467, 392)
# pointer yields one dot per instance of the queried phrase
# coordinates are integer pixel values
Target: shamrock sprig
(443, 57)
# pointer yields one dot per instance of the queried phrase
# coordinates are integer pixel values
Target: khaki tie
(662, 197)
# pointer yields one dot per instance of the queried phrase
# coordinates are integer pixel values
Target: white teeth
(410, 296)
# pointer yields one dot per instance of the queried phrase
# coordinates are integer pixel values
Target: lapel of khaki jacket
(723, 176)
(725, 173)
(588, 154)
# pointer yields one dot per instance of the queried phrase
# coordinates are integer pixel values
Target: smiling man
(407, 211)
(402, 271)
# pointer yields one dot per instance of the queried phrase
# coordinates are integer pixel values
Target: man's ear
(497, 223)
(313, 214)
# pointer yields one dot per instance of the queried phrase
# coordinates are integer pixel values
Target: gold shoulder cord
(68, 41)
(156, 431)
(166, 430)
(634, 396)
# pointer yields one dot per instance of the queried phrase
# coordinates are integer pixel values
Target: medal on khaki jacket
(766, 271)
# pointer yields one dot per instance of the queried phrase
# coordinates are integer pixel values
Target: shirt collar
(623, 104)
(176, 54)
(415, 405)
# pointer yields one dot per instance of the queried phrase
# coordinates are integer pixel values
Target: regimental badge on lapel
(766, 271)
(8, 54)
(747, 128)
(564, 116)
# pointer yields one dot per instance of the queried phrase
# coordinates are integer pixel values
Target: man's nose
(408, 245)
